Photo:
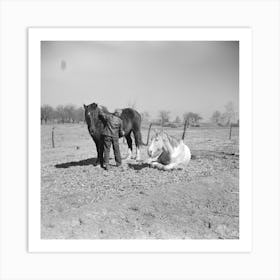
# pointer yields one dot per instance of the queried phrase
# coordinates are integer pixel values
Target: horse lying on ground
(166, 152)
(131, 124)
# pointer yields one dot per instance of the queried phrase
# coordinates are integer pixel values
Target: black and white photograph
(139, 139)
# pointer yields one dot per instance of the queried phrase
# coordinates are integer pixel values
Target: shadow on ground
(138, 166)
(84, 162)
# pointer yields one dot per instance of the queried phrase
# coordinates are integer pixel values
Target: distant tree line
(73, 114)
(62, 114)
(229, 117)
(164, 118)
(191, 118)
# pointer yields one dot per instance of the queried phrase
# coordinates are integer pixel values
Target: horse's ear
(85, 106)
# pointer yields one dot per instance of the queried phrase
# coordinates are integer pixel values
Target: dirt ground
(82, 201)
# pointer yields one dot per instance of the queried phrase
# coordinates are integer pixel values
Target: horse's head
(157, 145)
(91, 116)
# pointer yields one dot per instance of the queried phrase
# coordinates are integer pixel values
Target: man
(113, 129)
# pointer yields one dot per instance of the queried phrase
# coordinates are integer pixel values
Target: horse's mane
(101, 107)
(104, 109)
(172, 140)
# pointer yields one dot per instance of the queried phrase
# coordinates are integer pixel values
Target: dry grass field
(82, 201)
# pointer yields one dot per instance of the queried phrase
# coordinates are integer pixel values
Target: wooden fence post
(230, 131)
(149, 131)
(53, 137)
(185, 128)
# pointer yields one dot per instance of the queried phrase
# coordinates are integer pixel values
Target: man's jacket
(113, 125)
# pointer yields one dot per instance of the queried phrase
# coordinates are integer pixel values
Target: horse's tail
(148, 136)
(139, 135)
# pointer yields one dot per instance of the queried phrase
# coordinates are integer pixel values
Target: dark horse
(131, 124)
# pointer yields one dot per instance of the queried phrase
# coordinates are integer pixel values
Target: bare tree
(47, 113)
(164, 116)
(177, 120)
(60, 113)
(79, 114)
(192, 118)
(230, 115)
(69, 113)
(145, 116)
(216, 117)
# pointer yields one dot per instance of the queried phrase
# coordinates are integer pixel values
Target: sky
(177, 76)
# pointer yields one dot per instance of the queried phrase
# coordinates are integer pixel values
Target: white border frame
(243, 35)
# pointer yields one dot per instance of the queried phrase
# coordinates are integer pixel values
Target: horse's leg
(100, 153)
(129, 143)
(154, 164)
(169, 166)
(152, 160)
(138, 142)
(157, 165)
(99, 149)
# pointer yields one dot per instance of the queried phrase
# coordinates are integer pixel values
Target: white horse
(166, 152)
